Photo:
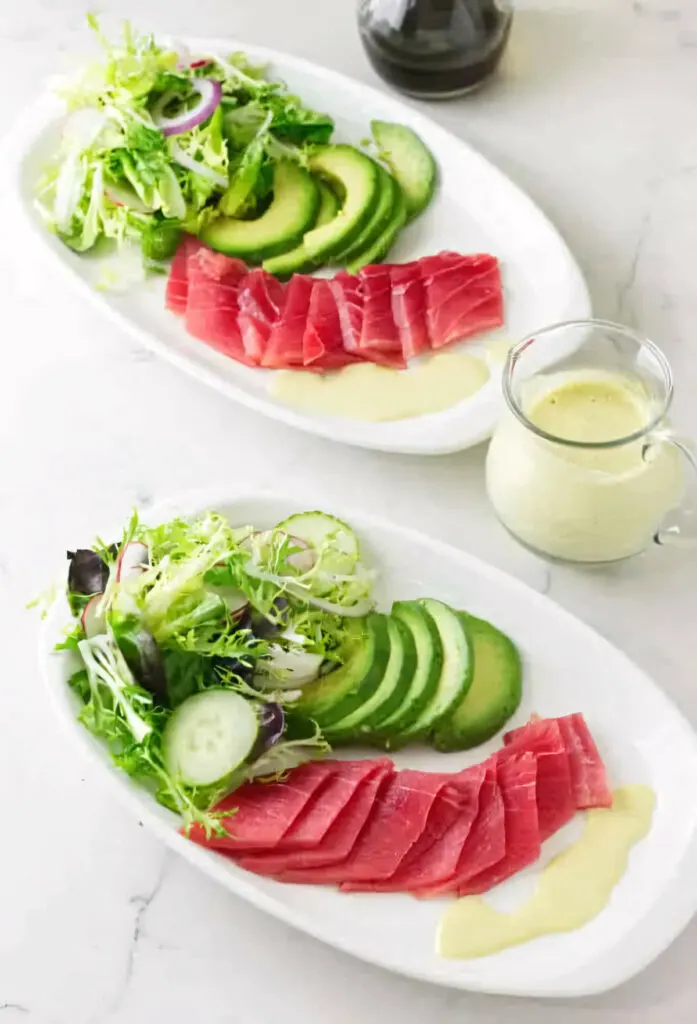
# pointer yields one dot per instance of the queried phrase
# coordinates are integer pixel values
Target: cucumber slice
(297, 260)
(318, 529)
(388, 694)
(210, 737)
(281, 227)
(455, 676)
(355, 176)
(380, 247)
(342, 691)
(494, 695)
(424, 681)
(380, 219)
(409, 160)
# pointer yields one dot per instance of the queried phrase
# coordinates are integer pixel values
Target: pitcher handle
(679, 526)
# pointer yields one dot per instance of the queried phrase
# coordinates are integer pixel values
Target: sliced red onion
(210, 92)
(132, 561)
(196, 167)
(122, 196)
(92, 618)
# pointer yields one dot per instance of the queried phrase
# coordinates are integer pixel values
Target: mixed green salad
(160, 141)
(209, 654)
(193, 638)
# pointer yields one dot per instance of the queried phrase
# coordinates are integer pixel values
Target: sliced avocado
(355, 176)
(455, 675)
(422, 686)
(339, 693)
(493, 696)
(387, 696)
(293, 208)
(378, 249)
(380, 219)
(297, 260)
(409, 160)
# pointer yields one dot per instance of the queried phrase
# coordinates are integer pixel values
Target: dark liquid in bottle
(434, 48)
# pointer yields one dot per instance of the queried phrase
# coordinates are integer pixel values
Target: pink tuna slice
(261, 299)
(211, 309)
(516, 777)
(314, 823)
(434, 855)
(322, 341)
(284, 347)
(409, 309)
(348, 295)
(397, 820)
(556, 803)
(588, 775)
(316, 867)
(379, 340)
(261, 813)
(463, 298)
(178, 280)
(484, 842)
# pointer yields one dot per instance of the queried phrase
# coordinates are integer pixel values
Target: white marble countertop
(595, 117)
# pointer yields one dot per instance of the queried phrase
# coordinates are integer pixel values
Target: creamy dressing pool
(573, 889)
(378, 394)
(583, 504)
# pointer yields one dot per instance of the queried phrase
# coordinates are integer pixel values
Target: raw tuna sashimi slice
(484, 842)
(262, 813)
(178, 280)
(396, 822)
(588, 775)
(284, 347)
(516, 776)
(322, 341)
(556, 803)
(462, 299)
(211, 308)
(432, 858)
(348, 295)
(260, 302)
(379, 340)
(409, 309)
(313, 823)
(315, 867)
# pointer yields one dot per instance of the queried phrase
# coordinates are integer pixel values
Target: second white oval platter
(477, 209)
(567, 668)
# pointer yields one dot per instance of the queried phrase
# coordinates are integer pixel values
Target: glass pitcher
(584, 465)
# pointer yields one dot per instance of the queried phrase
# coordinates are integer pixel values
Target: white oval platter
(476, 209)
(568, 667)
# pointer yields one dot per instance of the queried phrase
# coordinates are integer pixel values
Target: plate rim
(445, 434)
(663, 920)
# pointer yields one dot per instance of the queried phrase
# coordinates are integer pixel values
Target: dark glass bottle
(434, 48)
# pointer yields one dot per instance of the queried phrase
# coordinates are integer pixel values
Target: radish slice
(305, 559)
(235, 600)
(92, 618)
(132, 561)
